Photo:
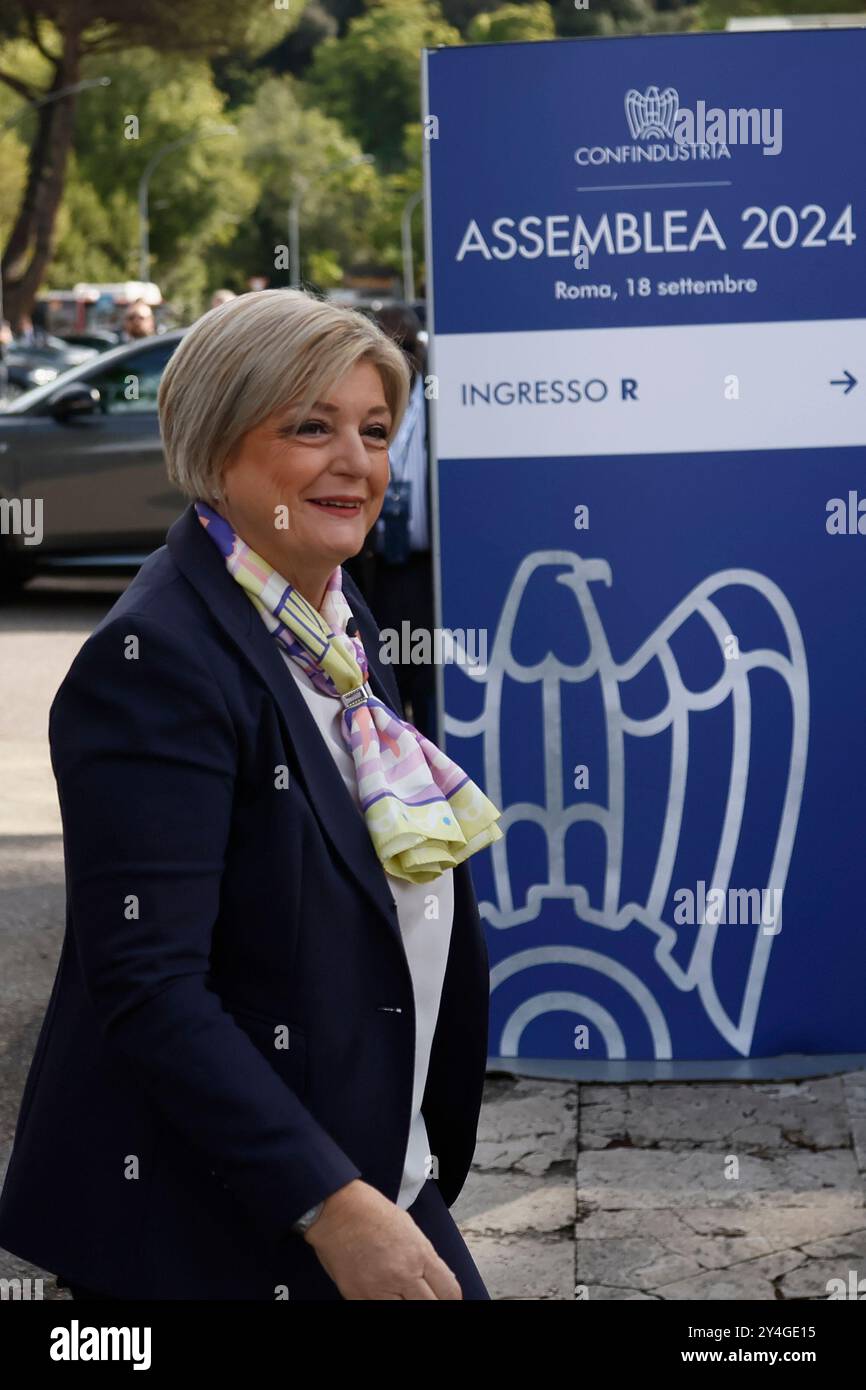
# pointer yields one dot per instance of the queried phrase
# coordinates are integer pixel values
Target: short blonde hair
(254, 355)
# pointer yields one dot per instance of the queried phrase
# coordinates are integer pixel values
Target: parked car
(100, 339)
(87, 446)
(40, 362)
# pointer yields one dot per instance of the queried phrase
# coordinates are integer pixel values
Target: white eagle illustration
(695, 970)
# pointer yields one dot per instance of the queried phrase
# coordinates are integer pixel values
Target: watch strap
(304, 1222)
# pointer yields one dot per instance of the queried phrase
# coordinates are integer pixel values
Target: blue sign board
(647, 266)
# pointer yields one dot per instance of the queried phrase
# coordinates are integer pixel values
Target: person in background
(221, 297)
(395, 569)
(28, 335)
(138, 322)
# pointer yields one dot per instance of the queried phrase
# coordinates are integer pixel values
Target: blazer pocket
(283, 1043)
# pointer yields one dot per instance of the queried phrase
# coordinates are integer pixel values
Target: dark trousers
(430, 1213)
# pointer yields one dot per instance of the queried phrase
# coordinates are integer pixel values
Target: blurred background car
(87, 444)
(40, 358)
(99, 339)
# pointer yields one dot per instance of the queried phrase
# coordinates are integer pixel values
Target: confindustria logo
(669, 131)
(653, 115)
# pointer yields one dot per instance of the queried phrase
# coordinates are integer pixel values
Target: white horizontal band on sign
(673, 389)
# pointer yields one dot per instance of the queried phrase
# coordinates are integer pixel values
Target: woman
(260, 1071)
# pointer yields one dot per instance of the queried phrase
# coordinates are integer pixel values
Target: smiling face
(329, 472)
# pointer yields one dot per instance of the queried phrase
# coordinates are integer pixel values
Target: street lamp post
(55, 96)
(294, 220)
(301, 186)
(406, 240)
(144, 189)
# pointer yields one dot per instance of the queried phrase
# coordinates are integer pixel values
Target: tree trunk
(32, 240)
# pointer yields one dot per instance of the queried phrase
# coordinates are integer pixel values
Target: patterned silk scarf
(423, 813)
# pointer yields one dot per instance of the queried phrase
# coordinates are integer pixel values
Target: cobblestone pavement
(705, 1190)
(699, 1190)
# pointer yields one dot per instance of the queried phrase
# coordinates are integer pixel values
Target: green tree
(385, 219)
(96, 235)
(295, 53)
(294, 147)
(369, 80)
(63, 35)
(198, 193)
(13, 176)
(461, 12)
(513, 24)
(600, 17)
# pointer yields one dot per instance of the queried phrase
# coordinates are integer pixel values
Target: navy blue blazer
(223, 895)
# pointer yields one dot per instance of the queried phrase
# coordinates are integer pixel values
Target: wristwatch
(304, 1222)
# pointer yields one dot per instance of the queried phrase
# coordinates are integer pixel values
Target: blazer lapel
(202, 565)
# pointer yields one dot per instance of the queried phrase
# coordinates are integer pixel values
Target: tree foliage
(369, 80)
(513, 24)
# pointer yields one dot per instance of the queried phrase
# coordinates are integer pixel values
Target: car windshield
(97, 365)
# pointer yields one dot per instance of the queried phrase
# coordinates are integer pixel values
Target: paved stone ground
(704, 1190)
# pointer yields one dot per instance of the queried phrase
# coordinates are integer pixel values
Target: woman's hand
(372, 1249)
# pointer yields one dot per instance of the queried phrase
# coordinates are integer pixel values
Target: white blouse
(425, 940)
